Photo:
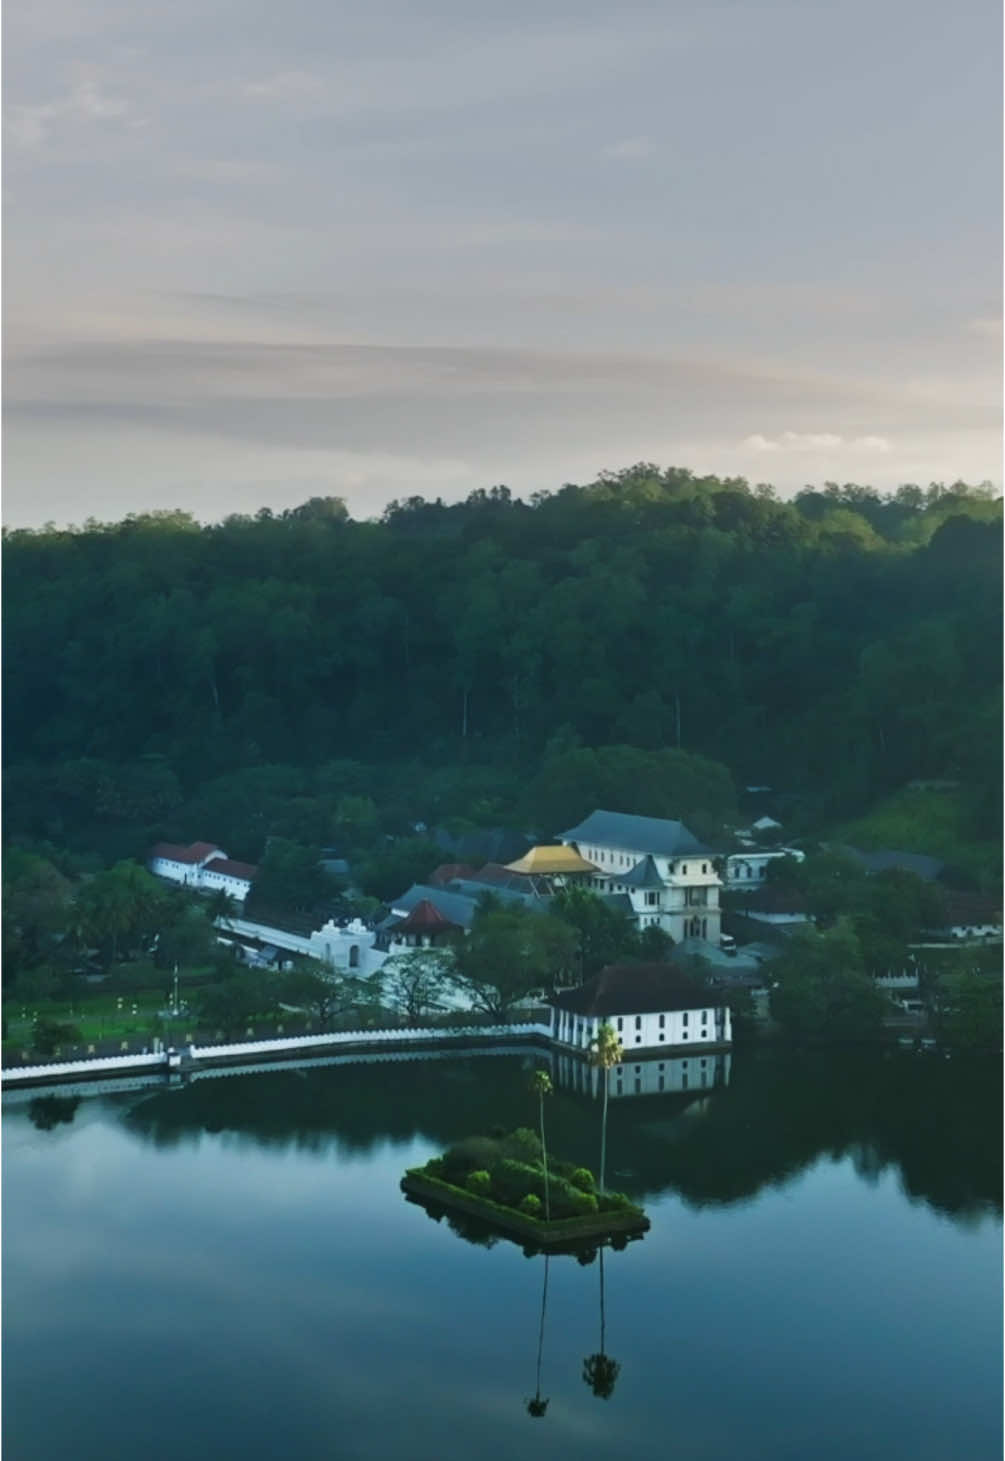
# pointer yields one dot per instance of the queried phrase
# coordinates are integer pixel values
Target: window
(638, 1022)
(704, 867)
(619, 1089)
(661, 1082)
(661, 1066)
(684, 867)
(621, 1023)
(663, 1020)
(638, 1087)
(652, 899)
(638, 1070)
(683, 1081)
(685, 1019)
(704, 1017)
(684, 1036)
(662, 1036)
(638, 1039)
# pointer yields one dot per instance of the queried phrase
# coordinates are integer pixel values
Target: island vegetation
(506, 1181)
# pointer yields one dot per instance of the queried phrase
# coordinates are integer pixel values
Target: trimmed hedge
(480, 1183)
(531, 1205)
(582, 1178)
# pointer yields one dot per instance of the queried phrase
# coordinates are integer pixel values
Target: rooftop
(652, 835)
(551, 860)
(636, 989)
(232, 869)
(198, 852)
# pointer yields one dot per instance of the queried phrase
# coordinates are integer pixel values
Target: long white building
(203, 866)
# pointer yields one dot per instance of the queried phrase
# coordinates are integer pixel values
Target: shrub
(582, 1178)
(475, 1153)
(522, 1145)
(582, 1202)
(511, 1181)
(434, 1167)
(614, 1202)
(531, 1205)
(480, 1183)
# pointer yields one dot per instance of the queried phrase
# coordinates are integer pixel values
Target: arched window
(354, 956)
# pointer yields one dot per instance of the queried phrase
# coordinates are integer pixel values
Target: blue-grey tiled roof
(651, 835)
(642, 875)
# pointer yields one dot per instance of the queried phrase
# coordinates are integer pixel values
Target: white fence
(60, 1069)
(209, 1054)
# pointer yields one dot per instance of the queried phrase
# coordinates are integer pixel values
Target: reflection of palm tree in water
(538, 1407)
(600, 1372)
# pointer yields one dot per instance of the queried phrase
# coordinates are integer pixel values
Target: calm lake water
(229, 1269)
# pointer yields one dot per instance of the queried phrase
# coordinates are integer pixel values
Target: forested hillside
(837, 646)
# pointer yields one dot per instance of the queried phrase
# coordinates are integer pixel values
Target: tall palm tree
(540, 1084)
(538, 1407)
(600, 1372)
(606, 1051)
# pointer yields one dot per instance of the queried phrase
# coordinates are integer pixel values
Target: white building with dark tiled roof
(669, 877)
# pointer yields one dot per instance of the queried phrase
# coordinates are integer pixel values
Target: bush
(614, 1202)
(522, 1145)
(582, 1202)
(480, 1183)
(475, 1153)
(48, 1035)
(582, 1178)
(434, 1167)
(512, 1181)
(531, 1205)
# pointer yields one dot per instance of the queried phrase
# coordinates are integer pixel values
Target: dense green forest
(653, 637)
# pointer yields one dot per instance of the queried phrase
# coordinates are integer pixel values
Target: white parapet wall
(292, 1044)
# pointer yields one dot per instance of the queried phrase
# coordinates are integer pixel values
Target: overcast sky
(258, 252)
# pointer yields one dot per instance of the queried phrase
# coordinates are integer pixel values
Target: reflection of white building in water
(649, 1077)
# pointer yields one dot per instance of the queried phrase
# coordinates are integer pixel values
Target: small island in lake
(506, 1182)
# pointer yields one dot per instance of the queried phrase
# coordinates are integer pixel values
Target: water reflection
(649, 1076)
(763, 1117)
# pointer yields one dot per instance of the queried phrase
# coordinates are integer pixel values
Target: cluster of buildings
(654, 871)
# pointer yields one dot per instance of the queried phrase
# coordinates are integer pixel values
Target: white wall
(672, 1027)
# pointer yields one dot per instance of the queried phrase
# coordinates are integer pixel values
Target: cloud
(814, 441)
(988, 326)
(31, 126)
(631, 149)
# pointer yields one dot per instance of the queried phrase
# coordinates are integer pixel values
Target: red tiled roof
(636, 989)
(198, 852)
(231, 869)
(448, 871)
(968, 909)
(424, 918)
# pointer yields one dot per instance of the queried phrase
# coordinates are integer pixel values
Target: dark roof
(456, 907)
(198, 852)
(775, 898)
(642, 875)
(635, 834)
(484, 844)
(969, 908)
(448, 871)
(886, 858)
(620, 902)
(636, 989)
(232, 869)
(425, 918)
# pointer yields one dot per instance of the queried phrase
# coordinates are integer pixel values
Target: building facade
(649, 1006)
(204, 867)
(669, 877)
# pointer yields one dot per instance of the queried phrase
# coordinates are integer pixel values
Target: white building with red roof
(202, 866)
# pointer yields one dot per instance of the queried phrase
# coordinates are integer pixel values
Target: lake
(229, 1268)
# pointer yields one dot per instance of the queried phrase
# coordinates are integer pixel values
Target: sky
(256, 253)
